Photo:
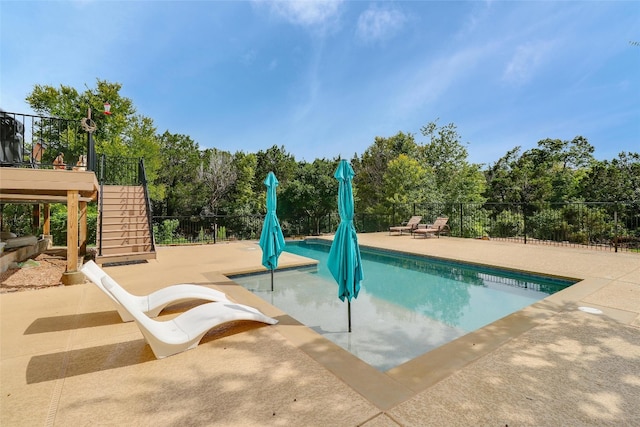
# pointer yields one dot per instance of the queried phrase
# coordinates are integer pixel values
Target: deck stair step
(125, 235)
(125, 257)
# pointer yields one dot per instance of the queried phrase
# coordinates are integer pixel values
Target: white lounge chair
(185, 331)
(155, 302)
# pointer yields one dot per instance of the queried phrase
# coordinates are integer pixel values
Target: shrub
(165, 232)
(507, 224)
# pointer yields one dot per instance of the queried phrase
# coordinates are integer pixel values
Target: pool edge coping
(391, 388)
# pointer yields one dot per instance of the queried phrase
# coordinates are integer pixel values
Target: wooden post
(35, 216)
(46, 226)
(83, 229)
(72, 231)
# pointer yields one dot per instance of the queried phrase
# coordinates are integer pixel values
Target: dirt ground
(43, 271)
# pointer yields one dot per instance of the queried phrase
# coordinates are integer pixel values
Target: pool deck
(67, 359)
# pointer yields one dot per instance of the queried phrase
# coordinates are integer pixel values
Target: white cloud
(525, 62)
(425, 83)
(379, 24)
(306, 13)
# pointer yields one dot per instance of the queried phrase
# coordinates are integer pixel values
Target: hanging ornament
(88, 125)
(107, 109)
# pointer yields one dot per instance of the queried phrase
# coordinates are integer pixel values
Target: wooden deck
(46, 186)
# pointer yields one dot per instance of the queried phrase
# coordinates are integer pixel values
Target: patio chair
(439, 226)
(411, 225)
(155, 302)
(36, 153)
(185, 331)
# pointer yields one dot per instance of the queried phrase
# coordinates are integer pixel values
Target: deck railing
(43, 142)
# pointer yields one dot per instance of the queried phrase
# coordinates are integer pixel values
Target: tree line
(393, 173)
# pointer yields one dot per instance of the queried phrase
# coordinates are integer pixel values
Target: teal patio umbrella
(344, 260)
(271, 238)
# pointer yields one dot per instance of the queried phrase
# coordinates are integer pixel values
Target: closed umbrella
(344, 260)
(271, 238)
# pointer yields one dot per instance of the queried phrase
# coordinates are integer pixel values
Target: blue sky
(324, 78)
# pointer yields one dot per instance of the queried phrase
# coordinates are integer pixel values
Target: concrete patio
(67, 359)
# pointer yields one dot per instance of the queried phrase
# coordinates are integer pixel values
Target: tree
(372, 166)
(123, 134)
(67, 103)
(551, 172)
(407, 182)
(243, 200)
(311, 193)
(276, 160)
(218, 175)
(615, 180)
(178, 176)
(455, 178)
(501, 186)
(563, 161)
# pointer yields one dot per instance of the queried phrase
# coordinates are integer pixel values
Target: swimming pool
(407, 305)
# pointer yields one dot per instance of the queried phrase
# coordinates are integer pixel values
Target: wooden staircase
(125, 233)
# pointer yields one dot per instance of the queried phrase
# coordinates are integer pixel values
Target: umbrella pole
(349, 313)
(272, 280)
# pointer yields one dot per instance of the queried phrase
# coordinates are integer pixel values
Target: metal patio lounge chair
(438, 227)
(411, 225)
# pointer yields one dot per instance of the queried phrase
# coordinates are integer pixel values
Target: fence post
(393, 214)
(615, 224)
(91, 152)
(101, 201)
(461, 233)
(524, 221)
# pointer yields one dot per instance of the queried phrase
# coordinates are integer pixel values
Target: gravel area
(41, 272)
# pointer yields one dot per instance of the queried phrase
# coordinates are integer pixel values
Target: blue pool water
(407, 304)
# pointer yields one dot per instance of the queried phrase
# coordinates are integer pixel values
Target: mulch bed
(43, 271)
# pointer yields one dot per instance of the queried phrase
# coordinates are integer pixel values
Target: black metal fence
(603, 225)
(118, 170)
(42, 142)
(608, 226)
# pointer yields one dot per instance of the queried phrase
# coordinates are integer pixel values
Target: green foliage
(178, 177)
(575, 223)
(551, 172)
(456, 179)
(276, 160)
(507, 224)
(475, 221)
(222, 233)
(372, 166)
(17, 219)
(406, 182)
(242, 199)
(166, 231)
(58, 221)
(614, 180)
(546, 224)
(122, 134)
(311, 193)
(392, 175)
